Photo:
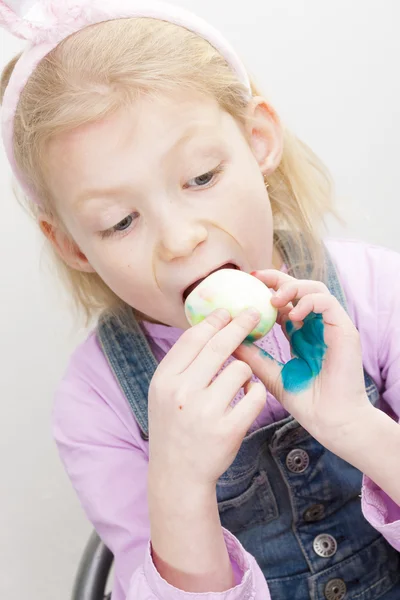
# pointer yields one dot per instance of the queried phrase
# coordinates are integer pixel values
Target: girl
(149, 160)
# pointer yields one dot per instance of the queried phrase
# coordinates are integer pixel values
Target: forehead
(151, 124)
(148, 135)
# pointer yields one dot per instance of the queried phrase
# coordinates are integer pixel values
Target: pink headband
(48, 22)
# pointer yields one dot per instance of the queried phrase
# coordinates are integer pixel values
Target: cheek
(251, 224)
(254, 223)
(113, 263)
(129, 276)
(249, 205)
(123, 271)
(128, 280)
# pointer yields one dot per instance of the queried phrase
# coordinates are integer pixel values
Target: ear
(265, 134)
(65, 246)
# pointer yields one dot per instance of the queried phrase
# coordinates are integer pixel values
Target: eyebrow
(96, 193)
(112, 192)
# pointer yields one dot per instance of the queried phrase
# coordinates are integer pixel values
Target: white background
(331, 70)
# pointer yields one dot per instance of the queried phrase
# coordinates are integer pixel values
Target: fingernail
(222, 314)
(253, 313)
(254, 273)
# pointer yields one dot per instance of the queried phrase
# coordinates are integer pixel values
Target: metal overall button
(335, 589)
(325, 545)
(315, 512)
(297, 460)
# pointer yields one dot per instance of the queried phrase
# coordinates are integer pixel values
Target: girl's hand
(194, 437)
(323, 385)
(194, 433)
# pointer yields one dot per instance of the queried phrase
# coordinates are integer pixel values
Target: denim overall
(293, 505)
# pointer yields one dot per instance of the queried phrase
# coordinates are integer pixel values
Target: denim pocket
(255, 505)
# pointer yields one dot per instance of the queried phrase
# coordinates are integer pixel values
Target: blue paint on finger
(309, 349)
(265, 354)
(262, 353)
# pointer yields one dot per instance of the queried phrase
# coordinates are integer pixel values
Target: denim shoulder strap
(300, 265)
(130, 357)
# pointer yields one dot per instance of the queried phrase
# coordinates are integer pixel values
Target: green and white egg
(234, 290)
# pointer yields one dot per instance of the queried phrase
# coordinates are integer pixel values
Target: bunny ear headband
(45, 23)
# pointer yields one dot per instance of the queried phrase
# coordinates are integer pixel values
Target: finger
(288, 288)
(243, 415)
(264, 366)
(327, 330)
(192, 342)
(220, 347)
(327, 337)
(292, 291)
(247, 386)
(283, 313)
(228, 383)
(289, 327)
(324, 304)
(273, 278)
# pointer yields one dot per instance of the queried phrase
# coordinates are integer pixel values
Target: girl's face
(158, 196)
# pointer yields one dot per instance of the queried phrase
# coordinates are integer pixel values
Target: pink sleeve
(379, 509)
(108, 469)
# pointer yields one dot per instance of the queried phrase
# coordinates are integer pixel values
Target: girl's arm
(333, 405)
(108, 467)
(189, 549)
(380, 495)
(374, 448)
(195, 435)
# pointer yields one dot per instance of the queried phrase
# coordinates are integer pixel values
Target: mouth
(194, 285)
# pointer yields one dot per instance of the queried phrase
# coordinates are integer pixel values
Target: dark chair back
(93, 571)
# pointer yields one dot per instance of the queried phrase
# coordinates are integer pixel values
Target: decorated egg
(235, 291)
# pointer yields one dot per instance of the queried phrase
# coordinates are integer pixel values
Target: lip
(226, 262)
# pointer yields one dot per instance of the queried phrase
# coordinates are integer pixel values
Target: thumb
(264, 366)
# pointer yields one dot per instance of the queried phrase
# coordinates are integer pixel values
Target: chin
(179, 321)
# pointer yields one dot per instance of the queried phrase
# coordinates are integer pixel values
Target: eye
(120, 227)
(205, 179)
(124, 224)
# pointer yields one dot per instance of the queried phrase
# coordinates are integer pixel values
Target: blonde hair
(96, 71)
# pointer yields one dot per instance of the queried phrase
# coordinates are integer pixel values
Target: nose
(179, 237)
